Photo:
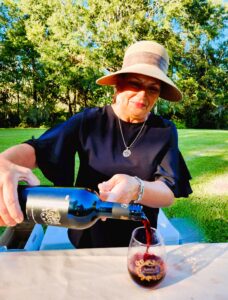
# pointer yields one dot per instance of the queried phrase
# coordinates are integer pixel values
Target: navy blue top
(95, 135)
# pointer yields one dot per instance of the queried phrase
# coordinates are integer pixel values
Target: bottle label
(45, 210)
(50, 216)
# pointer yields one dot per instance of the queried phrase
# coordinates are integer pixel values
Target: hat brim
(169, 91)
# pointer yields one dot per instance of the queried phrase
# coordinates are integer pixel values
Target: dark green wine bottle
(75, 208)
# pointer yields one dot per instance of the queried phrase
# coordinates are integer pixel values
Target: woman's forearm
(157, 194)
(125, 189)
(22, 155)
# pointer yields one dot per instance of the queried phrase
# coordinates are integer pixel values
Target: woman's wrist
(140, 190)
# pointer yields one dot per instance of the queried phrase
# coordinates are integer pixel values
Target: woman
(126, 152)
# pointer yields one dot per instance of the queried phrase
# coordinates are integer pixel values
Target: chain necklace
(127, 151)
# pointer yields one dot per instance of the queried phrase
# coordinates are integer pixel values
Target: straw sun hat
(147, 58)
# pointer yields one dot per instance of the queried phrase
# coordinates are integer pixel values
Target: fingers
(119, 193)
(110, 196)
(10, 211)
(104, 190)
(107, 189)
(106, 186)
(5, 219)
(11, 202)
(27, 175)
(120, 188)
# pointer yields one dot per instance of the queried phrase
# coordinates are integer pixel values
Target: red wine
(149, 233)
(146, 269)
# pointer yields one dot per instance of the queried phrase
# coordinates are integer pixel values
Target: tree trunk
(69, 102)
(18, 104)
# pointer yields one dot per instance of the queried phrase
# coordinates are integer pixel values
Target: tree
(62, 47)
(190, 30)
(22, 74)
(58, 34)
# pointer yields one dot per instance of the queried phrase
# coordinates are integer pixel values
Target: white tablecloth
(195, 271)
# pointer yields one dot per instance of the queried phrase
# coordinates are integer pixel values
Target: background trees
(53, 51)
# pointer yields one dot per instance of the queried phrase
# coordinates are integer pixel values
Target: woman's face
(135, 96)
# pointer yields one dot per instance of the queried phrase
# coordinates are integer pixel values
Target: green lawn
(206, 154)
(10, 137)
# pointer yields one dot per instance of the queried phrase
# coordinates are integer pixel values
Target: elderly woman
(126, 152)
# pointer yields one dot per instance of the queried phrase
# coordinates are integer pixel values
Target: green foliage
(52, 52)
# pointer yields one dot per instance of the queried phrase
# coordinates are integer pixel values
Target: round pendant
(126, 152)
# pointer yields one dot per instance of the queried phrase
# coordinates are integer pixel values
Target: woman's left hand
(120, 188)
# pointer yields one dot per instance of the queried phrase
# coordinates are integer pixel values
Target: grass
(10, 137)
(206, 154)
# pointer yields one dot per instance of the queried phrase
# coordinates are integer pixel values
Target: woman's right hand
(10, 175)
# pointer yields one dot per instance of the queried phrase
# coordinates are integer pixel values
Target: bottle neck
(120, 211)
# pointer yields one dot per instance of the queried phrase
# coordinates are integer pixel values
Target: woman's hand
(10, 175)
(120, 188)
(124, 188)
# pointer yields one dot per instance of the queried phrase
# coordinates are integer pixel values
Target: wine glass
(146, 257)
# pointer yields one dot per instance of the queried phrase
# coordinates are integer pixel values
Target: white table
(195, 271)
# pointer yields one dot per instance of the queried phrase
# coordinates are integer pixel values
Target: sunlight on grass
(209, 152)
(206, 154)
(216, 186)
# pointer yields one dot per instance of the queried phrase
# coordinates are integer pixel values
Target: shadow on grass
(207, 213)
(206, 165)
(216, 231)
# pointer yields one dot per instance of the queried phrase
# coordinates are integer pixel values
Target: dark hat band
(146, 58)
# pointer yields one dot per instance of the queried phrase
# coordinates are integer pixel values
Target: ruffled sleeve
(172, 169)
(55, 151)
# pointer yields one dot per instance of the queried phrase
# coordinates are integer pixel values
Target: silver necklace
(127, 151)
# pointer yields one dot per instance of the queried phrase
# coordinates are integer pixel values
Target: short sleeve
(172, 169)
(55, 151)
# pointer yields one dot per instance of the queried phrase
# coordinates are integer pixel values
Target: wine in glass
(146, 257)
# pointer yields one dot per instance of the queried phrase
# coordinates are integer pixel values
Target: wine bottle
(71, 207)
